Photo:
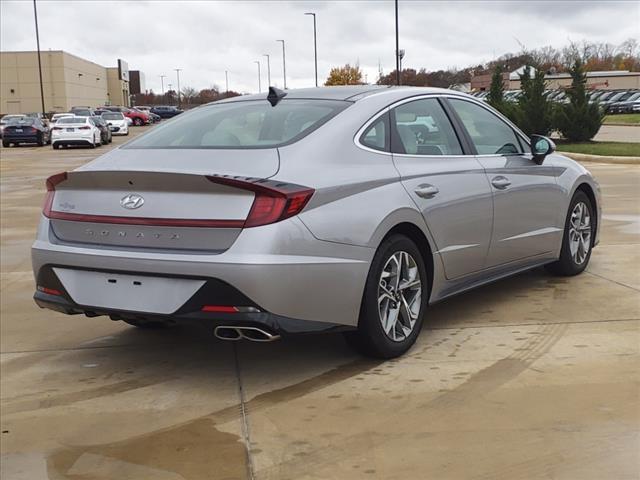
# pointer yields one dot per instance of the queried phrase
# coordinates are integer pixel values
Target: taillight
(52, 181)
(56, 128)
(86, 127)
(274, 201)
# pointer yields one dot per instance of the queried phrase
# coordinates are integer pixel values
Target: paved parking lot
(532, 377)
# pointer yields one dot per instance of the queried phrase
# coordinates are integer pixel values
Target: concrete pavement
(531, 377)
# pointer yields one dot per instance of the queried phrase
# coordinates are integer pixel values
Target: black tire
(147, 325)
(566, 265)
(370, 338)
(138, 122)
(6, 144)
(56, 146)
(92, 145)
(40, 140)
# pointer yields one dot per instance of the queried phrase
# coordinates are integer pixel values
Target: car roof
(351, 93)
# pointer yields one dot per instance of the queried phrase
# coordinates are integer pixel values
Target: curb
(583, 157)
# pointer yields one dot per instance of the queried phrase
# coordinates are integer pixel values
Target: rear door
(526, 195)
(447, 185)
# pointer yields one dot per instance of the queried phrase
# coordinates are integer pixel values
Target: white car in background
(118, 123)
(75, 131)
(58, 116)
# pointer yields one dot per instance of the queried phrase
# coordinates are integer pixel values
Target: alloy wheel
(399, 296)
(580, 233)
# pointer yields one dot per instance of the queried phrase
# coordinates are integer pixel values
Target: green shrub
(578, 121)
(533, 113)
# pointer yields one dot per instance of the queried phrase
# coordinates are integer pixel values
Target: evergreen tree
(579, 121)
(495, 98)
(534, 113)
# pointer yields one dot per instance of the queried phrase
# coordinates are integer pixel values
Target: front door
(449, 187)
(525, 195)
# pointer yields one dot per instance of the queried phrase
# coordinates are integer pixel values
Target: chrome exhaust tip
(253, 334)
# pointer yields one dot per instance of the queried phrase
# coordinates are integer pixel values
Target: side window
(423, 128)
(490, 135)
(376, 136)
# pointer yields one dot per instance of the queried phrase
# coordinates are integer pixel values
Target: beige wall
(605, 82)
(67, 81)
(118, 89)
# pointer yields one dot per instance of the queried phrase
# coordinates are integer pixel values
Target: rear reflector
(274, 201)
(219, 309)
(49, 291)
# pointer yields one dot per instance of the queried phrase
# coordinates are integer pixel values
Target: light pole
(169, 86)
(284, 65)
(268, 69)
(315, 43)
(397, 48)
(257, 62)
(178, 70)
(226, 82)
(162, 77)
(35, 16)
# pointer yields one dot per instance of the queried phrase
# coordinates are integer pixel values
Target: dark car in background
(25, 130)
(82, 111)
(105, 131)
(624, 104)
(166, 111)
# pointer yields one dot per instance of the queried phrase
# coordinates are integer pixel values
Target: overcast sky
(208, 37)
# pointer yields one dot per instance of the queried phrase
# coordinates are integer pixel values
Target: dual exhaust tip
(253, 334)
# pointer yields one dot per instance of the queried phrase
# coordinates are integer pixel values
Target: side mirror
(541, 147)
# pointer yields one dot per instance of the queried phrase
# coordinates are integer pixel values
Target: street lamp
(169, 86)
(257, 62)
(398, 58)
(268, 69)
(284, 65)
(226, 82)
(162, 77)
(178, 70)
(35, 16)
(315, 43)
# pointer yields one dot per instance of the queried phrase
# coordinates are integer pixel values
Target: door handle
(500, 182)
(426, 191)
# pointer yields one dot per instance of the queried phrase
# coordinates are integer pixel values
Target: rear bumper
(21, 138)
(281, 267)
(214, 291)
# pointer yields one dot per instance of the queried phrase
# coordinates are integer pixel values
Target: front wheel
(394, 301)
(577, 241)
(137, 122)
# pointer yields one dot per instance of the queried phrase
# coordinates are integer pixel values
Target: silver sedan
(335, 209)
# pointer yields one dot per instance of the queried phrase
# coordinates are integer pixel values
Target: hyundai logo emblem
(132, 201)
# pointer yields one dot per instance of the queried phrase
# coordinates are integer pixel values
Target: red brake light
(52, 181)
(219, 309)
(274, 201)
(86, 127)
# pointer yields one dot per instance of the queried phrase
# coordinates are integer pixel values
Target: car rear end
(117, 123)
(170, 230)
(21, 130)
(72, 131)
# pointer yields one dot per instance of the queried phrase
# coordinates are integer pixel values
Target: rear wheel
(56, 146)
(40, 140)
(577, 241)
(394, 301)
(137, 122)
(6, 144)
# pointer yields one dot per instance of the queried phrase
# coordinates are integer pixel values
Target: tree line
(189, 97)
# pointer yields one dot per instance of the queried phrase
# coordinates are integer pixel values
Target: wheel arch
(587, 189)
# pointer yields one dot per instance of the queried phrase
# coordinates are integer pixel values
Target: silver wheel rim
(580, 233)
(399, 296)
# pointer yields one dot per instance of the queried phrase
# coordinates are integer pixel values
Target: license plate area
(70, 129)
(134, 293)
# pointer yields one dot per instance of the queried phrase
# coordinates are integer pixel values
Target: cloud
(207, 38)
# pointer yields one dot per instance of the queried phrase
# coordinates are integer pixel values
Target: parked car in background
(25, 130)
(622, 104)
(155, 117)
(78, 130)
(117, 122)
(57, 116)
(166, 111)
(105, 130)
(8, 118)
(82, 111)
(312, 210)
(137, 117)
(39, 116)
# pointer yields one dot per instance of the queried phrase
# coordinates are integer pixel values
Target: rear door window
(423, 128)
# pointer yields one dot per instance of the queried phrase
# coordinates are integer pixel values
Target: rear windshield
(112, 116)
(70, 120)
(21, 121)
(240, 125)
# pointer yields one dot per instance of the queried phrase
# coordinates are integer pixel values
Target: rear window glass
(22, 121)
(71, 120)
(244, 124)
(112, 116)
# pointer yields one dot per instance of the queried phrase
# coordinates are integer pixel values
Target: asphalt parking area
(532, 377)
